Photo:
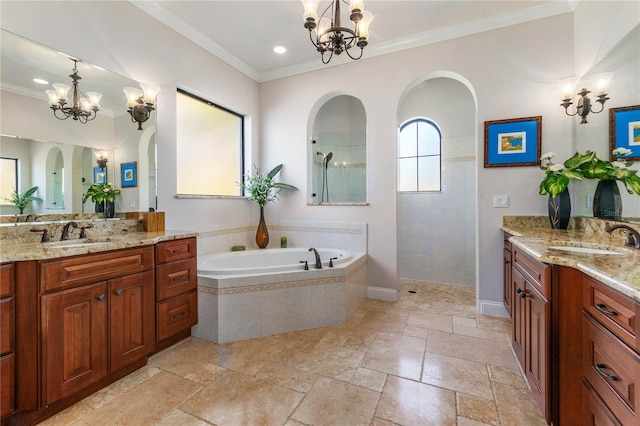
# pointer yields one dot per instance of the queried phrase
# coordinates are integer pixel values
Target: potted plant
(263, 189)
(607, 203)
(557, 177)
(104, 197)
(22, 200)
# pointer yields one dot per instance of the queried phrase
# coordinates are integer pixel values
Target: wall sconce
(584, 107)
(101, 158)
(141, 102)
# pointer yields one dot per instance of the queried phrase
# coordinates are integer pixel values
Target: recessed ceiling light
(40, 81)
(279, 49)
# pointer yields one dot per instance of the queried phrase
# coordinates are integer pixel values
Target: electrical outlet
(500, 201)
(590, 200)
(133, 205)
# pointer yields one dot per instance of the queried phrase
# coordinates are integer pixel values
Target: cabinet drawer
(595, 412)
(176, 278)
(616, 312)
(6, 279)
(7, 377)
(176, 315)
(181, 249)
(536, 273)
(6, 326)
(72, 271)
(612, 369)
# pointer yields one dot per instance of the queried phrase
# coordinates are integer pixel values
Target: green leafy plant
(22, 200)
(99, 192)
(557, 176)
(588, 166)
(262, 188)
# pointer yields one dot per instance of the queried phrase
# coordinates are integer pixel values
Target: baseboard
(496, 309)
(382, 293)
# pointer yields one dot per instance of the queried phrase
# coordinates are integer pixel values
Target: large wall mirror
(624, 62)
(338, 152)
(59, 156)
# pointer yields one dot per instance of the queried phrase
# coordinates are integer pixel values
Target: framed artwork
(99, 175)
(129, 174)
(512, 142)
(624, 131)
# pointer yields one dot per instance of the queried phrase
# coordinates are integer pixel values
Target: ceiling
(244, 32)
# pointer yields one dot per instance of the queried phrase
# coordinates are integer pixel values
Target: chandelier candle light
(141, 102)
(330, 36)
(83, 107)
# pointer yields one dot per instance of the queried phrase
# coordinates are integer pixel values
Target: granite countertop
(16, 251)
(619, 271)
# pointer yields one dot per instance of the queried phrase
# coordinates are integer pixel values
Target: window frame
(3, 201)
(417, 156)
(242, 145)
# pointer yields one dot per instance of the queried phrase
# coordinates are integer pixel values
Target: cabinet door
(537, 347)
(508, 284)
(518, 307)
(132, 327)
(74, 333)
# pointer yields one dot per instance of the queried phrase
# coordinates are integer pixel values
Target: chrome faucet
(65, 230)
(318, 262)
(633, 237)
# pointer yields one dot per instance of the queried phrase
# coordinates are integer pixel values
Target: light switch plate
(590, 200)
(500, 201)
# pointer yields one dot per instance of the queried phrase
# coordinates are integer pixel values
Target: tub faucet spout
(318, 262)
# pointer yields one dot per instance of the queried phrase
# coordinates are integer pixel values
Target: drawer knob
(100, 297)
(603, 308)
(600, 369)
(118, 292)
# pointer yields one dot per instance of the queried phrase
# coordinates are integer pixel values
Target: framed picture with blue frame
(624, 131)
(129, 174)
(512, 142)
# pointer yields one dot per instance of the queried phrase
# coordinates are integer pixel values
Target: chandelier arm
(353, 57)
(311, 38)
(601, 107)
(55, 113)
(566, 110)
(328, 60)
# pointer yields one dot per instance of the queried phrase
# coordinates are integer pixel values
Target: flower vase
(109, 209)
(560, 210)
(100, 207)
(607, 203)
(262, 234)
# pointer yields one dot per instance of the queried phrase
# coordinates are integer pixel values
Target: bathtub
(258, 293)
(267, 261)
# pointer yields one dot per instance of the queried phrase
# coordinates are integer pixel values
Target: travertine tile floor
(428, 359)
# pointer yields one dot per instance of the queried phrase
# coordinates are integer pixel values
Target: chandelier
(141, 102)
(83, 107)
(584, 106)
(330, 36)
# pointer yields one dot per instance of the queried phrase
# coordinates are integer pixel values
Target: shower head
(329, 155)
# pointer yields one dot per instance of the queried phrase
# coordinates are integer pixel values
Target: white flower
(621, 151)
(619, 164)
(548, 156)
(556, 167)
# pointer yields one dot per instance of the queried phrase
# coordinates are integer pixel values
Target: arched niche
(337, 151)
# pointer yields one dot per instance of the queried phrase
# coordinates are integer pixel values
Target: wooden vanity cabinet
(610, 354)
(176, 290)
(97, 317)
(508, 290)
(7, 339)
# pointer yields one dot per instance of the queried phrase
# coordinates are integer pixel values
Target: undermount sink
(73, 244)
(585, 250)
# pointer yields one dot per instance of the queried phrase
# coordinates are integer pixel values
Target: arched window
(419, 156)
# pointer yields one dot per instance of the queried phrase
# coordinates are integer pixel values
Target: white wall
(119, 37)
(520, 65)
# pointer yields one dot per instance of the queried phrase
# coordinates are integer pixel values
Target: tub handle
(306, 264)
(331, 261)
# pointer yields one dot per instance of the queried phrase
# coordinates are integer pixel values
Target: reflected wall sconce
(141, 102)
(83, 107)
(330, 36)
(584, 106)
(101, 159)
